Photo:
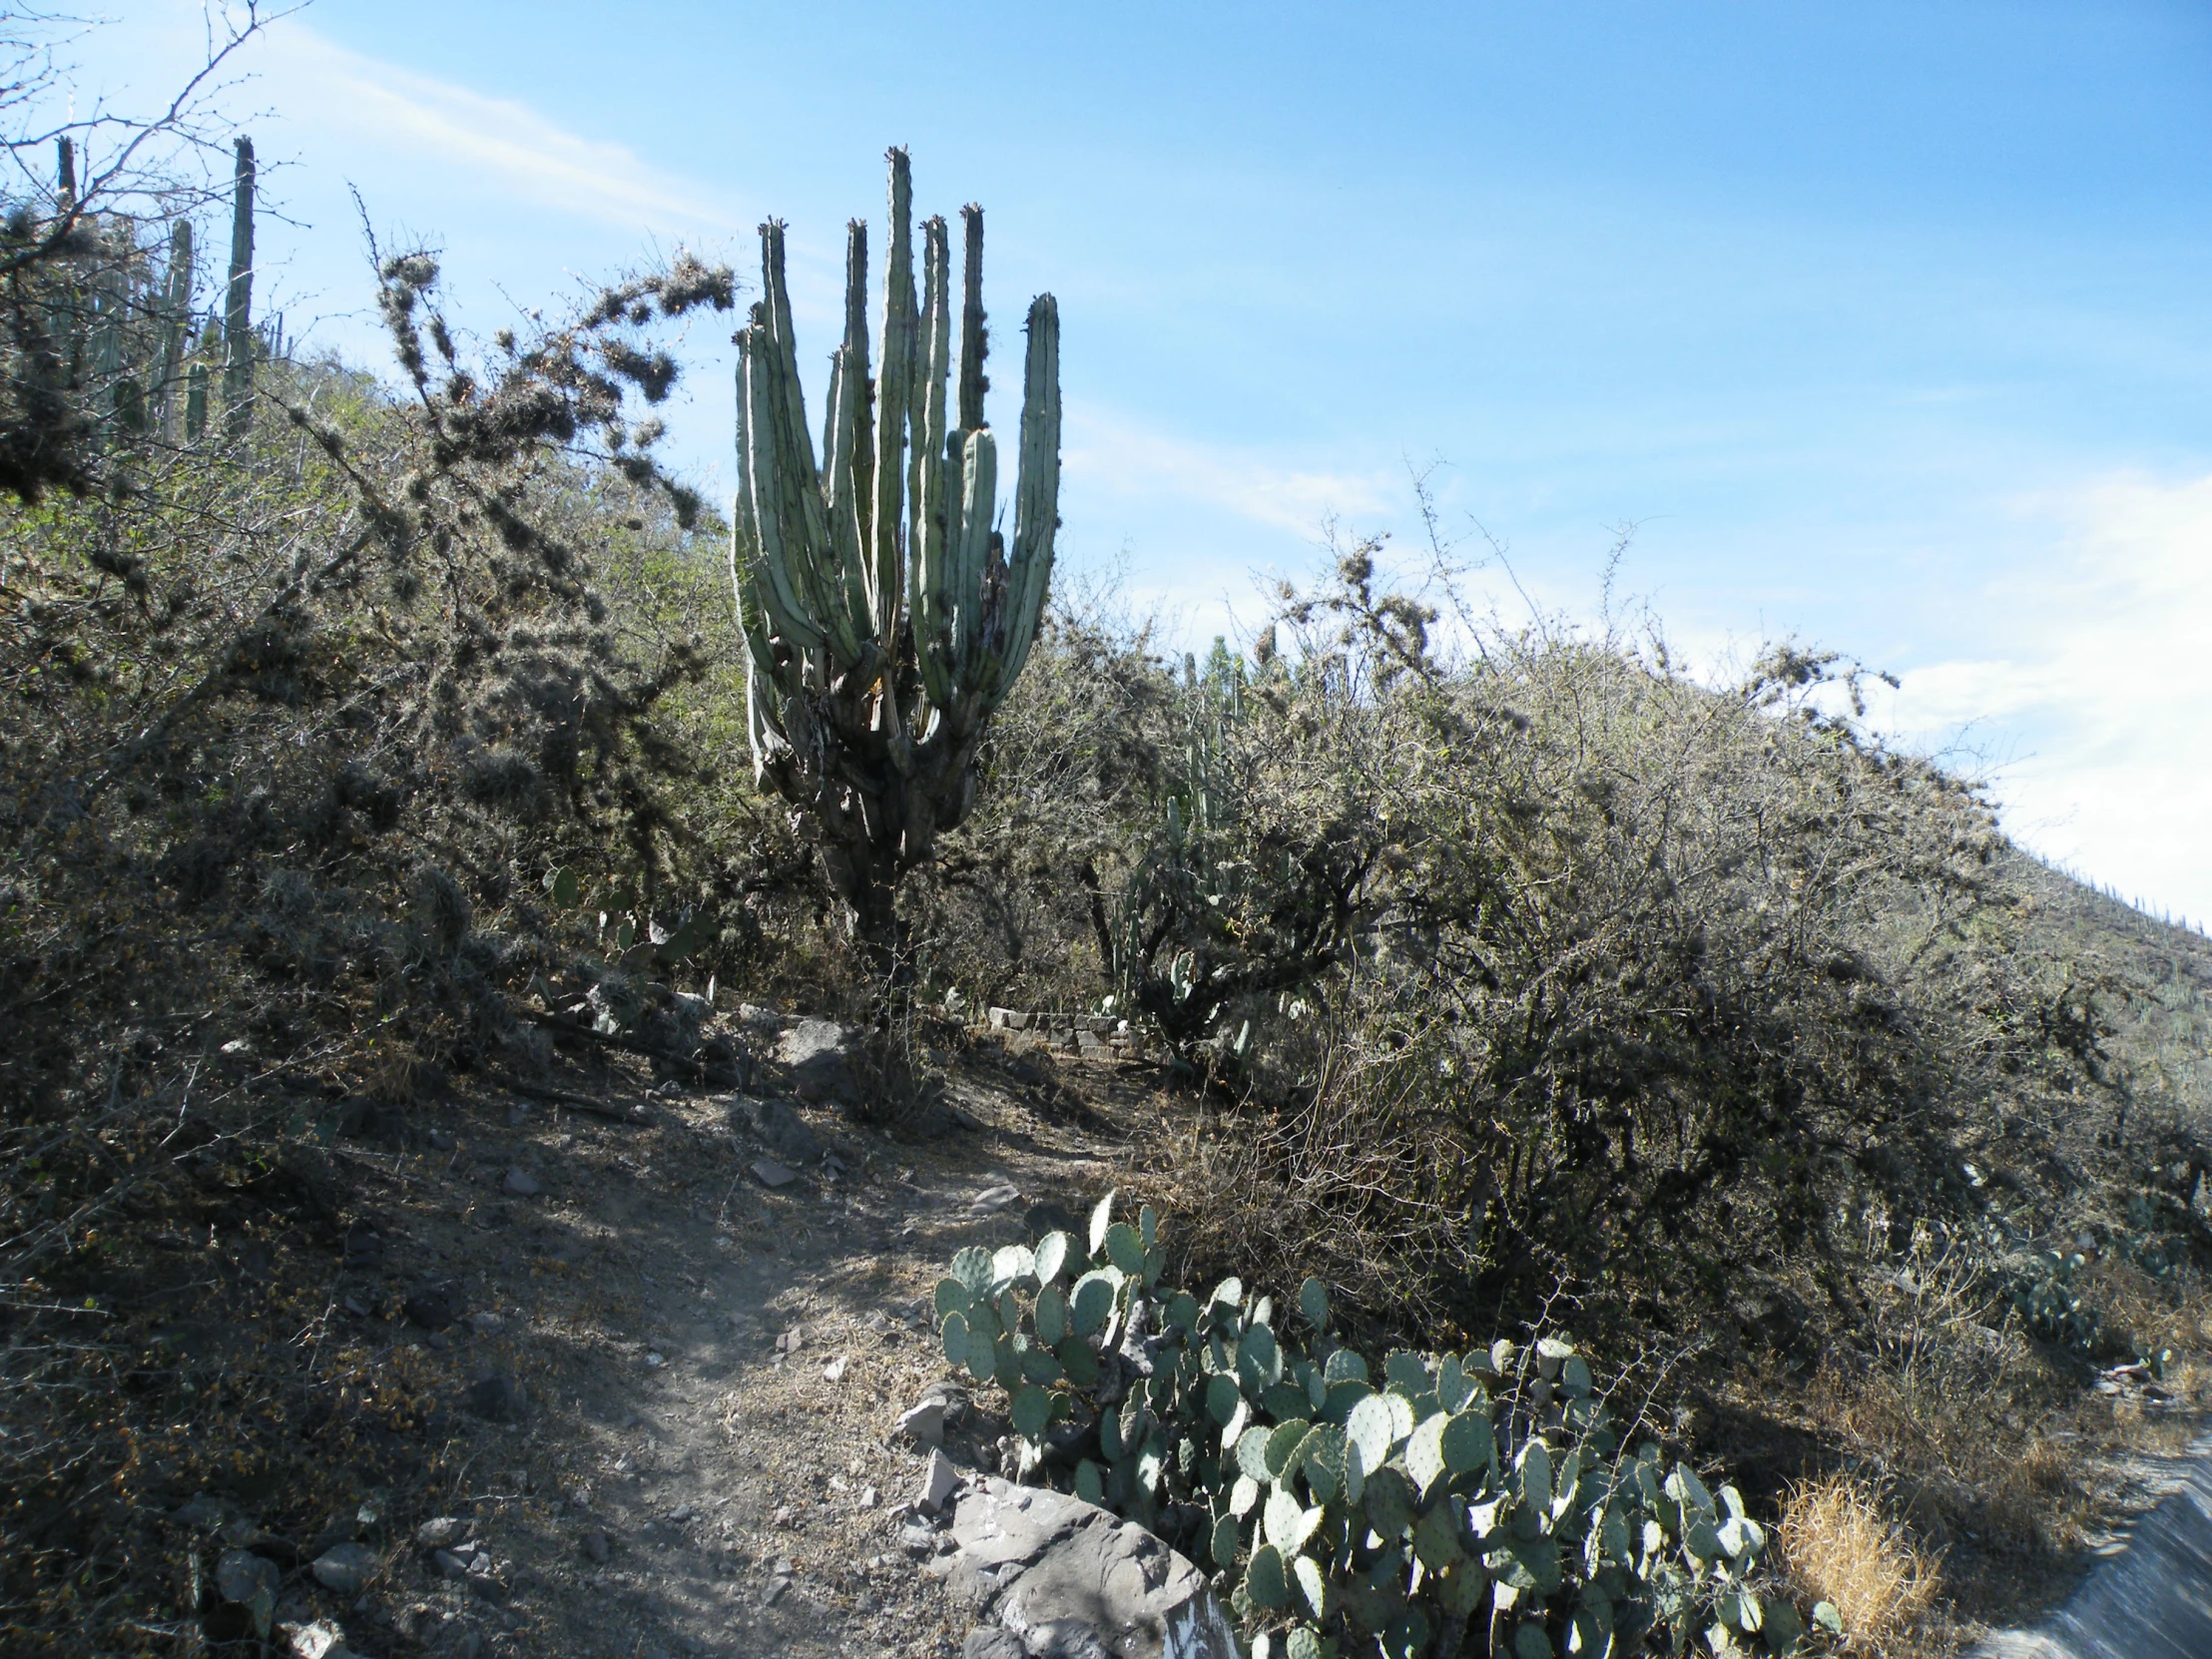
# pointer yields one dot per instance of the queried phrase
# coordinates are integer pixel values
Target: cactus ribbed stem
(237, 312)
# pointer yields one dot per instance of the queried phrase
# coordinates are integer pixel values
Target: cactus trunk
(883, 619)
(238, 313)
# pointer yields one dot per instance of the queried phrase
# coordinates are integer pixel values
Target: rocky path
(683, 1340)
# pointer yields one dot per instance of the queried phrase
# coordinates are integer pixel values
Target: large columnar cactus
(238, 313)
(885, 617)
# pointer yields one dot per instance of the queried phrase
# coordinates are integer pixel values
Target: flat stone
(772, 1174)
(243, 1577)
(320, 1640)
(1064, 1577)
(596, 1548)
(990, 1642)
(345, 1569)
(834, 1372)
(775, 1126)
(441, 1532)
(820, 1053)
(923, 1425)
(520, 1183)
(938, 1478)
(991, 1200)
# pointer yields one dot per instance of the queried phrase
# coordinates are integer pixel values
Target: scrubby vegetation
(1510, 981)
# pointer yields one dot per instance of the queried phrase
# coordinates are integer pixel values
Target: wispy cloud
(2105, 656)
(526, 154)
(1113, 456)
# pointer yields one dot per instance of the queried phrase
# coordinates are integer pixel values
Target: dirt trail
(686, 1477)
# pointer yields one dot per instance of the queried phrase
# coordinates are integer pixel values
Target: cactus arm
(844, 509)
(971, 556)
(974, 332)
(1037, 494)
(893, 391)
(761, 499)
(788, 489)
(850, 454)
(926, 539)
(176, 306)
(237, 314)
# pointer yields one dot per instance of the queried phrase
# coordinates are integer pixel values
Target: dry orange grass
(1838, 1545)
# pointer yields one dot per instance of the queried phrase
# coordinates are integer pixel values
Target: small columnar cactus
(1345, 1511)
(885, 617)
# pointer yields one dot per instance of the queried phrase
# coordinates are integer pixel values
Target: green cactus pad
(1283, 1441)
(1252, 1452)
(1224, 1541)
(953, 1297)
(1012, 1265)
(1264, 1581)
(972, 1268)
(1031, 1410)
(955, 1335)
(1124, 1250)
(1424, 1457)
(1312, 1587)
(1223, 1397)
(1343, 1365)
(1468, 1442)
(1051, 1256)
(1091, 1304)
(1312, 1302)
(982, 1355)
(1102, 1217)
(1050, 1316)
(1080, 1360)
(1090, 1486)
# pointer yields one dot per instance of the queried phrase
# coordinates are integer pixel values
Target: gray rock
(1068, 1578)
(775, 1126)
(320, 1640)
(987, 1642)
(991, 1200)
(923, 1424)
(918, 1539)
(596, 1548)
(938, 1478)
(451, 1564)
(441, 1532)
(346, 1569)
(772, 1174)
(520, 1183)
(245, 1577)
(202, 1512)
(820, 1053)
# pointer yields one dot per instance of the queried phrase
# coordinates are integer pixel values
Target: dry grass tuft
(1838, 1545)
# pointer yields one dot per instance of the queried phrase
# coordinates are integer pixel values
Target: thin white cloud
(504, 142)
(2104, 682)
(1115, 456)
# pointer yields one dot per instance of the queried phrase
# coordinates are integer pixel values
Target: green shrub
(1350, 1508)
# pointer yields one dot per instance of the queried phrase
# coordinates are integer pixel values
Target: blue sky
(1884, 324)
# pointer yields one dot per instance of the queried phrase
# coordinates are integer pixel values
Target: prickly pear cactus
(1402, 1510)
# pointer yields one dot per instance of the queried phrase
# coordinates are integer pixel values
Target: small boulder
(775, 1126)
(520, 1183)
(821, 1054)
(251, 1581)
(922, 1425)
(939, 1479)
(596, 1547)
(441, 1532)
(769, 1172)
(1064, 1577)
(345, 1569)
